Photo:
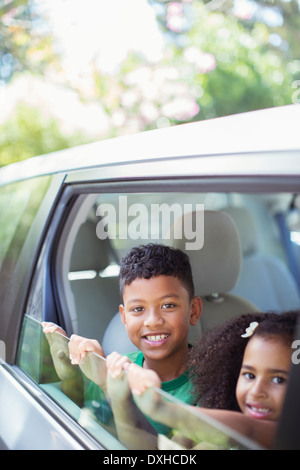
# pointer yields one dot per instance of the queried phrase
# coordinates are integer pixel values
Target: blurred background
(74, 71)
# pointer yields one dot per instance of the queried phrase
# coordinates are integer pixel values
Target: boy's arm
(134, 430)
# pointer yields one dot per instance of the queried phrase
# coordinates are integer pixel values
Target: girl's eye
(279, 380)
(249, 376)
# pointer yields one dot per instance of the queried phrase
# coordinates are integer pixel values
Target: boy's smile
(157, 313)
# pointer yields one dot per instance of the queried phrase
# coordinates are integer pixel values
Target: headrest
(216, 266)
(89, 252)
(246, 227)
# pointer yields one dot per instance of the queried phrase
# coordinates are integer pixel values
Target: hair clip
(250, 330)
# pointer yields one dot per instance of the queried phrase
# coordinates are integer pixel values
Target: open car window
(245, 257)
(83, 393)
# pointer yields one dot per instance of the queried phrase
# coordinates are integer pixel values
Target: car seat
(216, 268)
(264, 279)
(97, 297)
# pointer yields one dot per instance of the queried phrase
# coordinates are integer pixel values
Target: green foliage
(220, 58)
(216, 67)
(27, 133)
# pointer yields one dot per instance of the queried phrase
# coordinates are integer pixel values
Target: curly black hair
(216, 359)
(153, 260)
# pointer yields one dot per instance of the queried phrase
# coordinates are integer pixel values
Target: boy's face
(157, 313)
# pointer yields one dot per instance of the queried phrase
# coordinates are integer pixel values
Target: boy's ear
(122, 313)
(196, 309)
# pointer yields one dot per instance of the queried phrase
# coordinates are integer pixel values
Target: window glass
(85, 394)
(99, 231)
(19, 203)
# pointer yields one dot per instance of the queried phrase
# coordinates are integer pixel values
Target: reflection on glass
(105, 407)
(76, 389)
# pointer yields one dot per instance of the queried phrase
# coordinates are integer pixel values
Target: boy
(158, 308)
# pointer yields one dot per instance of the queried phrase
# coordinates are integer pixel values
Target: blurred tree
(27, 134)
(214, 64)
(220, 57)
(24, 45)
(281, 17)
(27, 45)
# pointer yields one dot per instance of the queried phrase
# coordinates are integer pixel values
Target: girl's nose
(258, 389)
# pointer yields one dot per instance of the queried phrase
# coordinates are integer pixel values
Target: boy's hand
(141, 379)
(142, 383)
(116, 364)
(117, 383)
(49, 327)
(80, 346)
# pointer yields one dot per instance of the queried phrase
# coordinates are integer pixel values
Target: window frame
(72, 192)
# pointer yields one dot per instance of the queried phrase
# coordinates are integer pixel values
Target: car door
(61, 255)
(28, 419)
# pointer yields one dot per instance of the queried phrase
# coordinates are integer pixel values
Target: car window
(78, 391)
(76, 282)
(19, 203)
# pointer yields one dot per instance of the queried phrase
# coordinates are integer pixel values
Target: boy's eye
(168, 306)
(137, 309)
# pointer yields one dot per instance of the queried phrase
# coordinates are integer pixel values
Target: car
(69, 217)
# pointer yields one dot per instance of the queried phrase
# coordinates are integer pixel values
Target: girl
(240, 374)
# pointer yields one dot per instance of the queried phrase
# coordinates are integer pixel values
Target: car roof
(268, 130)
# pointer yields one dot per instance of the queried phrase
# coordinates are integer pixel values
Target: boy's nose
(154, 319)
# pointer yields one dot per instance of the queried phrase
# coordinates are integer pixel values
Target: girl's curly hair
(215, 360)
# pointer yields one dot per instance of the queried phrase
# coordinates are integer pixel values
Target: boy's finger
(141, 379)
(116, 364)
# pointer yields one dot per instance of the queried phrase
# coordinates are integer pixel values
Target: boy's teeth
(156, 337)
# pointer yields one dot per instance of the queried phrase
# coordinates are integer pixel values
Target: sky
(103, 29)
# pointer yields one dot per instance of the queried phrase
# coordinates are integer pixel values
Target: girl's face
(262, 383)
